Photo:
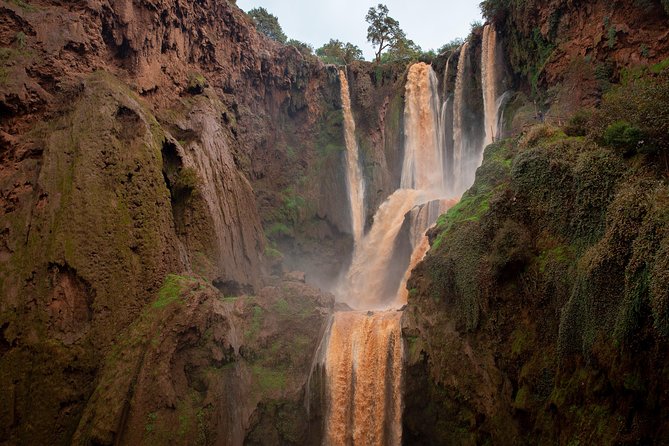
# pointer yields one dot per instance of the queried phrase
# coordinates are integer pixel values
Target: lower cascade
(363, 368)
(362, 351)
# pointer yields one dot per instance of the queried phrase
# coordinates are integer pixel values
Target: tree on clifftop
(383, 31)
(267, 24)
(340, 53)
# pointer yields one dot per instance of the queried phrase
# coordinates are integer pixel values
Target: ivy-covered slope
(540, 314)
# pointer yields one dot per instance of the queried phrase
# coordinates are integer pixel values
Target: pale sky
(429, 23)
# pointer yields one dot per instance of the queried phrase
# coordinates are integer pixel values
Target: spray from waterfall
(354, 180)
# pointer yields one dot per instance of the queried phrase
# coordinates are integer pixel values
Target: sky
(429, 23)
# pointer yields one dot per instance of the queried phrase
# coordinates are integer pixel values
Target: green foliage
(151, 422)
(170, 291)
(384, 33)
(269, 380)
(403, 49)
(451, 46)
(634, 116)
(494, 10)
(611, 33)
(304, 48)
(623, 135)
(643, 50)
(24, 5)
(475, 26)
(20, 39)
(267, 24)
(339, 53)
(187, 180)
(278, 229)
(578, 124)
(256, 324)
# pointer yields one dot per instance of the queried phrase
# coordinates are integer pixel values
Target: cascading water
(461, 148)
(423, 155)
(354, 181)
(361, 353)
(489, 67)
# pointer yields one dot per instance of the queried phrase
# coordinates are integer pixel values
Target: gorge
(210, 237)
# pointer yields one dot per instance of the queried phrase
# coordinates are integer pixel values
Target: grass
(170, 291)
(253, 331)
(24, 5)
(269, 380)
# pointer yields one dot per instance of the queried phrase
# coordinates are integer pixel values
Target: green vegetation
(171, 291)
(339, 53)
(633, 116)
(304, 48)
(196, 83)
(24, 5)
(623, 135)
(267, 24)
(385, 34)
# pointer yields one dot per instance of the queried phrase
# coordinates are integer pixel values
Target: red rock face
(141, 138)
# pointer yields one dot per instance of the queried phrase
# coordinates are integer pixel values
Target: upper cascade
(354, 180)
(423, 166)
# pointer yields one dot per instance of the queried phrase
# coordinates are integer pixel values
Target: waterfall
(363, 371)
(361, 352)
(354, 179)
(423, 155)
(446, 128)
(489, 83)
(467, 153)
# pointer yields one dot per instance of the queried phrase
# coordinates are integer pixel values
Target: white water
(460, 143)
(489, 83)
(354, 179)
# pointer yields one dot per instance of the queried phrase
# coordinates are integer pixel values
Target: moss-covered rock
(542, 286)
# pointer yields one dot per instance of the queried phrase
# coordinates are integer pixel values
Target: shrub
(623, 135)
(635, 114)
(578, 124)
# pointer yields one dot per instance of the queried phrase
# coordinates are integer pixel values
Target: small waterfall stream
(354, 180)
(489, 83)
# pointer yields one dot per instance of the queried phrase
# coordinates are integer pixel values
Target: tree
(402, 49)
(383, 31)
(267, 24)
(302, 47)
(339, 53)
(451, 46)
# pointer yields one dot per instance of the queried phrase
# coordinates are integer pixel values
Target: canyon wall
(143, 139)
(539, 313)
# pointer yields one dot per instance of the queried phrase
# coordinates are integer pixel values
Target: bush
(623, 135)
(578, 124)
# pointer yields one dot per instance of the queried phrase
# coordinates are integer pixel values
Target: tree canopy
(303, 47)
(267, 24)
(383, 31)
(340, 53)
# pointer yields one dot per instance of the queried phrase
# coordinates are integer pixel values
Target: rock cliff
(142, 139)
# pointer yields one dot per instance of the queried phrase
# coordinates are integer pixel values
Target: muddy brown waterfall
(362, 351)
